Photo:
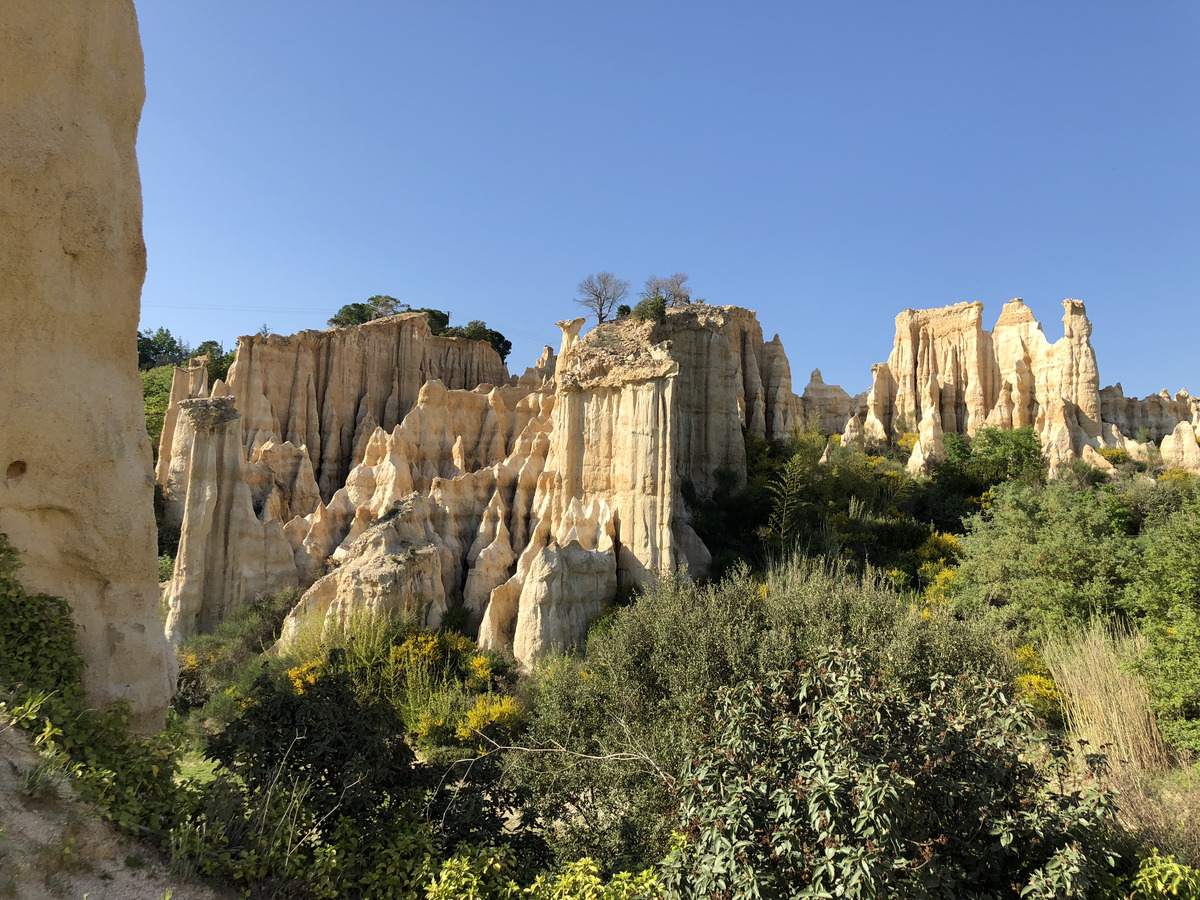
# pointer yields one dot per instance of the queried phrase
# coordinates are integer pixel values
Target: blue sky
(826, 164)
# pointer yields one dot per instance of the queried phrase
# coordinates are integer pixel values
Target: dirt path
(53, 846)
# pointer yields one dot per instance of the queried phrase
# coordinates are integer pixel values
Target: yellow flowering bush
(939, 587)
(304, 676)
(434, 729)
(435, 653)
(1035, 685)
(496, 717)
(479, 673)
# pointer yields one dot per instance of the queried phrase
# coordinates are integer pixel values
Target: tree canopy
(439, 321)
(674, 290)
(477, 330)
(160, 348)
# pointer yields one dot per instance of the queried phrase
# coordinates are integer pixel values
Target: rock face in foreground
(76, 488)
(947, 374)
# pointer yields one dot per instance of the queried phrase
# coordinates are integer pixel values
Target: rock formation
(76, 495)
(519, 505)
(947, 374)
(226, 553)
(521, 501)
(328, 390)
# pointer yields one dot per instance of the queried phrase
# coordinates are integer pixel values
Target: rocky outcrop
(1181, 448)
(1158, 414)
(226, 553)
(947, 374)
(827, 407)
(186, 384)
(329, 390)
(522, 504)
(76, 485)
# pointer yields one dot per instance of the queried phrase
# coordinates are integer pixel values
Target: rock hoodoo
(76, 499)
(947, 374)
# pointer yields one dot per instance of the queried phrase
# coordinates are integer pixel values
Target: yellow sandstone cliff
(75, 477)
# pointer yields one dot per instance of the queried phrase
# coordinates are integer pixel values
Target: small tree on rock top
(675, 290)
(600, 294)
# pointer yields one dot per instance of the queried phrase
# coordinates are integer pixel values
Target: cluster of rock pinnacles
(381, 467)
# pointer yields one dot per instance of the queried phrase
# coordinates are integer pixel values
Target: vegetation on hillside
(980, 683)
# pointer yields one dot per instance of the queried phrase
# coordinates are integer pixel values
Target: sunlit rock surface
(76, 485)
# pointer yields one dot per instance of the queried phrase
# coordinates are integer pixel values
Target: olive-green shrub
(826, 779)
(609, 734)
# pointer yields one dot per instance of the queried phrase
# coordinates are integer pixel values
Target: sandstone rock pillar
(76, 490)
(227, 555)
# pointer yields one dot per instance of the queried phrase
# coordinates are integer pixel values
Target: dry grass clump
(1108, 706)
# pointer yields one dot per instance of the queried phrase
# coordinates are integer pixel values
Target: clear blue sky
(826, 164)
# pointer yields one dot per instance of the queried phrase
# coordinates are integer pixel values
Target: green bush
(351, 757)
(1041, 560)
(654, 308)
(37, 637)
(216, 671)
(826, 780)
(1159, 877)
(129, 778)
(156, 397)
(1164, 598)
(608, 735)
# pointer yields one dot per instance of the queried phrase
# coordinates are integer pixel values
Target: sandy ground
(53, 846)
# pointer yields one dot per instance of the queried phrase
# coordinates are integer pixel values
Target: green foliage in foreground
(608, 736)
(129, 778)
(37, 637)
(825, 779)
(1043, 559)
(1162, 877)
(1164, 598)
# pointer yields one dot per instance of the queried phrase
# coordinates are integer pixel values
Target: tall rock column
(75, 480)
(227, 555)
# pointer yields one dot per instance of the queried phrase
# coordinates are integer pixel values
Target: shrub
(1115, 455)
(37, 637)
(1162, 877)
(1041, 560)
(825, 778)
(129, 778)
(654, 308)
(216, 671)
(156, 397)
(608, 736)
(1164, 596)
(493, 718)
(349, 755)
(1037, 687)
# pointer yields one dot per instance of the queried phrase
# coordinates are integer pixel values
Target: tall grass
(1105, 704)
(1109, 707)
